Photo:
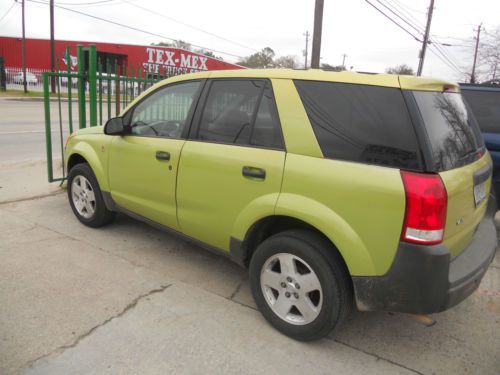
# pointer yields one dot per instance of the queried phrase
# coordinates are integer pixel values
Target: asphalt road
(22, 130)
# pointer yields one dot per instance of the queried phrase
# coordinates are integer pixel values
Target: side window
(240, 112)
(267, 130)
(164, 113)
(361, 123)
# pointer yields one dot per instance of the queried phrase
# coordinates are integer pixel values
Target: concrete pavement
(130, 299)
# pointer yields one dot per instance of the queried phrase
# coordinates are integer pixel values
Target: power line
(437, 51)
(444, 59)
(411, 21)
(7, 12)
(88, 3)
(397, 15)
(393, 21)
(410, 9)
(188, 25)
(400, 8)
(132, 27)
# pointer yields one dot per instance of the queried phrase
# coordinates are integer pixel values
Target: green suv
(333, 189)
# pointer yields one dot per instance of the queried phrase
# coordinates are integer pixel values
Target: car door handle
(162, 155)
(253, 172)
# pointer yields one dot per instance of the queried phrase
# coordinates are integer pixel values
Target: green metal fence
(99, 90)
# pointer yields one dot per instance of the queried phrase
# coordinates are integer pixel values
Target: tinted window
(267, 130)
(486, 108)
(452, 131)
(240, 112)
(361, 123)
(165, 112)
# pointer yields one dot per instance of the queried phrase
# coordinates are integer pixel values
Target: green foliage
(333, 68)
(401, 69)
(289, 62)
(187, 46)
(262, 59)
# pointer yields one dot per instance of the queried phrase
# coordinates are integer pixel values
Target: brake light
(426, 203)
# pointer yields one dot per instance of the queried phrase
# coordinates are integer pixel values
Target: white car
(30, 78)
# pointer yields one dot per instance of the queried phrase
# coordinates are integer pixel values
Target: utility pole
(307, 48)
(318, 25)
(426, 39)
(343, 60)
(52, 48)
(25, 85)
(473, 74)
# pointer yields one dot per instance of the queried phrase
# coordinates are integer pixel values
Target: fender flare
(351, 247)
(89, 153)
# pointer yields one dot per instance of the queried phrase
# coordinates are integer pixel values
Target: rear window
(486, 108)
(361, 123)
(452, 131)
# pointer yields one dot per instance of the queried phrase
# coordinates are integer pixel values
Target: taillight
(426, 202)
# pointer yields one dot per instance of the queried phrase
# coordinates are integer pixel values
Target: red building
(151, 59)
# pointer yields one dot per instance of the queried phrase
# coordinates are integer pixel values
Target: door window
(165, 113)
(241, 112)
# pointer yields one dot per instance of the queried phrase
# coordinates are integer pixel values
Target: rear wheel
(85, 197)
(299, 284)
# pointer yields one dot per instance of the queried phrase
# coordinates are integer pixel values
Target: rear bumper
(423, 280)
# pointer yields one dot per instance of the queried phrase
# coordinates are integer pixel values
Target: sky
(234, 29)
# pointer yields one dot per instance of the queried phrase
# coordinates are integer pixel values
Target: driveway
(128, 298)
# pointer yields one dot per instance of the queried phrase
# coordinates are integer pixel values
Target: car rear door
(143, 164)
(233, 160)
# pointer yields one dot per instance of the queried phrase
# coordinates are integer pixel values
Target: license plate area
(479, 182)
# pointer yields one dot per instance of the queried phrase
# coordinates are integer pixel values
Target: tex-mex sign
(173, 60)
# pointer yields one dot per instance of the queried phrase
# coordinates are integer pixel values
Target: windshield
(451, 128)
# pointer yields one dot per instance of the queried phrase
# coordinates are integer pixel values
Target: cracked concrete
(79, 338)
(79, 300)
(185, 330)
(379, 357)
(130, 299)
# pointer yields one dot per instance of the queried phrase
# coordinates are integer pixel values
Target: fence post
(48, 135)
(80, 56)
(93, 84)
(70, 83)
(117, 90)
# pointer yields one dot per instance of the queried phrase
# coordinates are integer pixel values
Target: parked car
(484, 101)
(331, 188)
(30, 78)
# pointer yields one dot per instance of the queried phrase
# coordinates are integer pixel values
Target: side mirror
(114, 126)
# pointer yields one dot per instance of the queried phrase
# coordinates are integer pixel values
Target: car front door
(143, 164)
(233, 160)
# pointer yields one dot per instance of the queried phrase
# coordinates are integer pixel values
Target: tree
(333, 68)
(187, 46)
(288, 61)
(401, 69)
(489, 57)
(262, 59)
(175, 44)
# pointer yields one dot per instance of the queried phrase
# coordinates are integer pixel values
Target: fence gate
(98, 89)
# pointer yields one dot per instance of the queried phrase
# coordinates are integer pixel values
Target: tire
(85, 197)
(286, 304)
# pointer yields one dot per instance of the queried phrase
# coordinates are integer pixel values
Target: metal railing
(98, 90)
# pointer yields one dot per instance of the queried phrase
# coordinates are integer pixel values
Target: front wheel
(85, 197)
(300, 284)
